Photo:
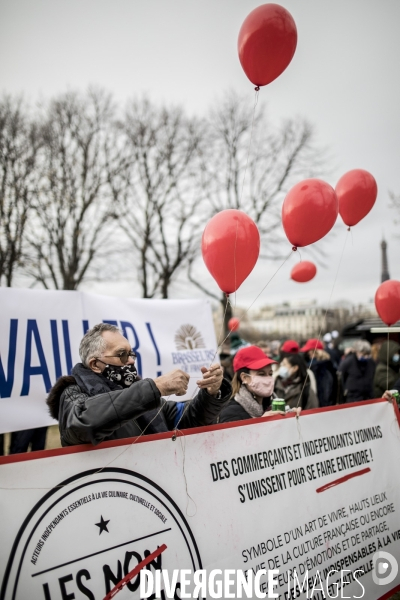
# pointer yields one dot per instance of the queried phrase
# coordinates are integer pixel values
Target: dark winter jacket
(334, 355)
(291, 391)
(326, 378)
(91, 409)
(357, 378)
(385, 377)
(233, 411)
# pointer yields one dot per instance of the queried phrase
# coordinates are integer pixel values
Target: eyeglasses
(123, 356)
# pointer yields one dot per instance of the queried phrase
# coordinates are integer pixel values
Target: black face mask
(122, 375)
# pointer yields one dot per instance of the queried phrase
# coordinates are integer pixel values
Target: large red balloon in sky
(303, 271)
(267, 42)
(230, 246)
(309, 212)
(387, 301)
(356, 191)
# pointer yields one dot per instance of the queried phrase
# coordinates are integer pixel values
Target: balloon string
(234, 256)
(188, 496)
(230, 333)
(249, 147)
(255, 299)
(176, 429)
(267, 284)
(323, 321)
(221, 333)
(387, 363)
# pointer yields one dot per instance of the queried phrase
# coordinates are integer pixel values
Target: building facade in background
(302, 320)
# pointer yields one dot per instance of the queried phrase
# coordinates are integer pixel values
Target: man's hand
(212, 379)
(175, 382)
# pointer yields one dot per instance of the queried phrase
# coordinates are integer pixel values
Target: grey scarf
(246, 401)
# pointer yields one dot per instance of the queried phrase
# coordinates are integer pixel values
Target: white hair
(93, 344)
(362, 346)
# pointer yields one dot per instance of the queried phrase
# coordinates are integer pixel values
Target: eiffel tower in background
(385, 267)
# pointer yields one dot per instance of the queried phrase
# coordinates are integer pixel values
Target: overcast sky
(344, 78)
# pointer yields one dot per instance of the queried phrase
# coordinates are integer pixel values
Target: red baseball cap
(290, 346)
(251, 357)
(312, 344)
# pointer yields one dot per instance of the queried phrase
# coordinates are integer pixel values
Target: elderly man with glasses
(105, 399)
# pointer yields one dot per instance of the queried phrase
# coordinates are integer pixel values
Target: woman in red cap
(252, 386)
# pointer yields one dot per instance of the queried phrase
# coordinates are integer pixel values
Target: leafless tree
(251, 165)
(74, 211)
(19, 144)
(156, 173)
(162, 204)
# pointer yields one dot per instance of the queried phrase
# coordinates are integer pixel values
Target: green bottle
(278, 404)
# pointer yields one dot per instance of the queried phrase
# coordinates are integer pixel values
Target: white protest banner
(41, 331)
(315, 498)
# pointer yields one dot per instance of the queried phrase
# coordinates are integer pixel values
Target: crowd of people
(317, 373)
(105, 399)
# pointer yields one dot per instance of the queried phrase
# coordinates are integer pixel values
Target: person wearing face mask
(292, 347)
(293, 383)
(388, 368)
(105, 399)
(252, 386)
(356, 372)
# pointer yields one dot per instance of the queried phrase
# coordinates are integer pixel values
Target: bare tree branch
(162, 204)
(19, 146)
(74, 211)
(277, 158)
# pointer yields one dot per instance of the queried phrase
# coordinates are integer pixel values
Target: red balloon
(267, 42)
(309, 211)
(230, 246)
(387, 301)
(233, 324)
(356, 192)
(303, 271)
